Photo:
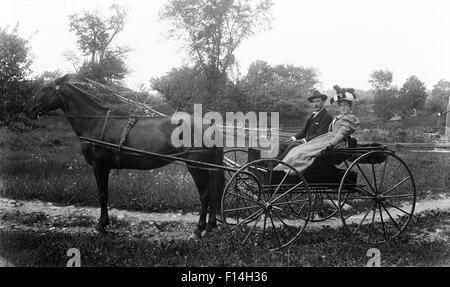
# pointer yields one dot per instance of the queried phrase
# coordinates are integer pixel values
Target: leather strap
(108, 113)
(126, 131)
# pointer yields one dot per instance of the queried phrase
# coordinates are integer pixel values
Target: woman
(302, 156)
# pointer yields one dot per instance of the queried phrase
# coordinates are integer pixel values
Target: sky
(344, 40)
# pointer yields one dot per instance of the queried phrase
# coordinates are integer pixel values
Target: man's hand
(293, 138)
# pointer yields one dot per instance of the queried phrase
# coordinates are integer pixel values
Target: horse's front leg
(102, 178)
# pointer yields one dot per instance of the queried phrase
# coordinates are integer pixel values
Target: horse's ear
(62, 79)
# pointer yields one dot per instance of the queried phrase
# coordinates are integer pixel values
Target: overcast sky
(345, 40)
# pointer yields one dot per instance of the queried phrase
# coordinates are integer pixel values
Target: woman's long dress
(302, 156)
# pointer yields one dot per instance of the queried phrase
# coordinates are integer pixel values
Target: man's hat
(317, 94)
(343, 95)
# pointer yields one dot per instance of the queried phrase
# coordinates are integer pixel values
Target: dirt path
(44, 216)
(132, 217)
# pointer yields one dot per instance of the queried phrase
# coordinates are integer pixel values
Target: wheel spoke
(289, 202)
(253, 228)
(365, 177)
(397, 185)
(364, 218)
(399, 196)
(359, 210)
(374, 179)
(270, 169)
(286, 192)
(264, 230)
(284, 223)
(360, 188)
(247, 219)
(382, 222)
(278, 187)
(383, 174)
(241, 208)
(245, 182)
(359, 197)
(274, 229)
(393, 174)
(332, 200)
(396, 207)
(371, 228)
(392, 219)
(288, 213)
(244, 197)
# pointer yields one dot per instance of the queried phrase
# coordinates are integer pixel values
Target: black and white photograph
(237, 135)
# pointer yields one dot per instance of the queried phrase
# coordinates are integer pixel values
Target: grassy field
(425, 244)
(46, 164)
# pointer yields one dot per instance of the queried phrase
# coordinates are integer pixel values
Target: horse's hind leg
(102, 177)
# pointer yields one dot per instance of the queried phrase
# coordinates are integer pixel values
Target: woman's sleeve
(349, 124)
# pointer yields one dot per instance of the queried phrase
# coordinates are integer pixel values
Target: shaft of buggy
(193, 163)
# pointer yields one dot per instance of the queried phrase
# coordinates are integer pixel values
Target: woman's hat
(343, 95)
(316, 94)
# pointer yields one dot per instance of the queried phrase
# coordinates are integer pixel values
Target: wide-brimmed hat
(316, 94)
(344, 95)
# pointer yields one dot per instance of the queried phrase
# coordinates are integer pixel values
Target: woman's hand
(329, 148)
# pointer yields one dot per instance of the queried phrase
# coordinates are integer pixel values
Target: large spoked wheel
(266, 207)
(324, 203)
(377, 197)
(235, 158)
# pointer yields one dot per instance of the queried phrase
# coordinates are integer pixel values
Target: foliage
(437, 101)
(212, 30)
(94, 39)
(15, 87)
(384, 103)
(265, 88)
(283, 89)
(412, 96)
(385, 94)
(381, 79)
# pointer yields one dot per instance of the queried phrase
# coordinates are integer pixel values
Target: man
(316, 125)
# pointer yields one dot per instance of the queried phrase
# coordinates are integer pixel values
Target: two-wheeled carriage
(368, 187)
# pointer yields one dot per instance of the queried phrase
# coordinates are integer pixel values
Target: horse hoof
(197, 235)
(100, 229)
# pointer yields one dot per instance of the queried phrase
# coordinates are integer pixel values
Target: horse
(87, 118)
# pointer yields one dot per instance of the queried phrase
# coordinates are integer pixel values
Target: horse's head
(47, 98)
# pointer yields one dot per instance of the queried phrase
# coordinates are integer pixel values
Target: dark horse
(87, 118)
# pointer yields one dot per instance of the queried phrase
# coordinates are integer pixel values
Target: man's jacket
(315, 126)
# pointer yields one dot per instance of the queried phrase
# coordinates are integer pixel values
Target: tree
(386, 95)
(212, 30)
(283, 88)
(184, 87)
(94, 39)
(412, 96)
(381, 79)
(437, 101)
(15, 87)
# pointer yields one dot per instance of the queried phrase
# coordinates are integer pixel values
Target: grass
(325, 247)
(46, 164)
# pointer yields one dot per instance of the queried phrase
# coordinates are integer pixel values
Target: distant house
(396, 118)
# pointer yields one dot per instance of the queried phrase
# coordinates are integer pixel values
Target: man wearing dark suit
(316, 125)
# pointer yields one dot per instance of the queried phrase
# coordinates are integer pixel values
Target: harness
(125, 132)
